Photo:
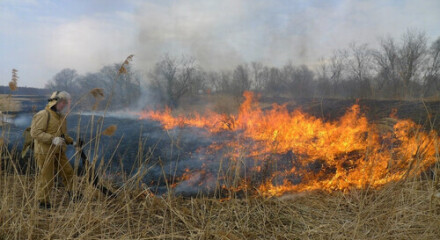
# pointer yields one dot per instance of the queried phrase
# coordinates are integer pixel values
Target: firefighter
(49, 131)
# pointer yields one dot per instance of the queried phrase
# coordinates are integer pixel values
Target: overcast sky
(41, 37)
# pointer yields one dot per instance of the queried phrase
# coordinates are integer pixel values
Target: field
(407, 210)
(7, 104)
(404, 209)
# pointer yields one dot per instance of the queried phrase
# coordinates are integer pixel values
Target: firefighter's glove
(58, 141)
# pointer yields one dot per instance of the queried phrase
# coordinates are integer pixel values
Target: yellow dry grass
(110, 130)
(8, 103)
(405, 210)
(408, 209)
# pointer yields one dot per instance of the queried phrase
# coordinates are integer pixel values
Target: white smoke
(124, 114)
(21, 121)
(222, 34)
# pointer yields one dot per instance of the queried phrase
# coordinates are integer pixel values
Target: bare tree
(241, 81)
(213, 81)
(219, 81)
(64, 80)
(173, 78)
(360, 65)
(337, 67)
(435, 58)
(411, 57)
(432, 75)
(323, 86)
(274, 80)
(321, 70)
(225, 81)
(131, 85)
(386, 60)
(257, 79)
(299, 80)
(124, 88)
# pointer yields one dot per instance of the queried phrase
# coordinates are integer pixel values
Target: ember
(276, 151)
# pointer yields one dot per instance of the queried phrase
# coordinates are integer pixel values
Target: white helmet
(57, 96)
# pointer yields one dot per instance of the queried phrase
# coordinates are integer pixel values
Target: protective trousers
(47, 164)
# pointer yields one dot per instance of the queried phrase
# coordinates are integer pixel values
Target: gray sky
(41, 37)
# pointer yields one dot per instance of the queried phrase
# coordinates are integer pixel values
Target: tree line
(124, 89)
(406, 68)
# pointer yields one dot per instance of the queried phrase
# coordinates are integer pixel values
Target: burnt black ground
(166, 154)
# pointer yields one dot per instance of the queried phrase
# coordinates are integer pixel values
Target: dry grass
(408, 209)
(8, 103)
(110, 130)
(13, 83)
(405, 210)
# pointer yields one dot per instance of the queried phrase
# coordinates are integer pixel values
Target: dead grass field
(8, 103)
(409, 209)
(404, 210)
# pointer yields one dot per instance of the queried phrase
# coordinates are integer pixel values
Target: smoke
(148, 98)
(113, 114)
(21, 121)
(224, 34)
(219, 34)
(192, 28)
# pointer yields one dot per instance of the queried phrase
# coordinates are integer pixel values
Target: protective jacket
(46, 125)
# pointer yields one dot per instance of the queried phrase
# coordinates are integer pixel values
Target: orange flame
(349, 153)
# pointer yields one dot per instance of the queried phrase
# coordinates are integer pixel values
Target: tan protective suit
(48, 156)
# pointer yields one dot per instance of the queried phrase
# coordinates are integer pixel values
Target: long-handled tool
(93, 176)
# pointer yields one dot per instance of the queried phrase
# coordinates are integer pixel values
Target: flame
(214, 123)
(308, 153)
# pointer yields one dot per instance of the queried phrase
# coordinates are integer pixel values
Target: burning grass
(308, 153)
(404, 210)
(406, 207)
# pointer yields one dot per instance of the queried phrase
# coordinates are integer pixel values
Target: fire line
(296, 152)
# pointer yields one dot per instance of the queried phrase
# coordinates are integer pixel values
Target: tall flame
(339, 155)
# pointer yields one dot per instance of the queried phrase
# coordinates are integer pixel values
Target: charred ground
(167, 155)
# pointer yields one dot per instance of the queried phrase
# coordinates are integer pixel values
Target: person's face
(61, 105)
